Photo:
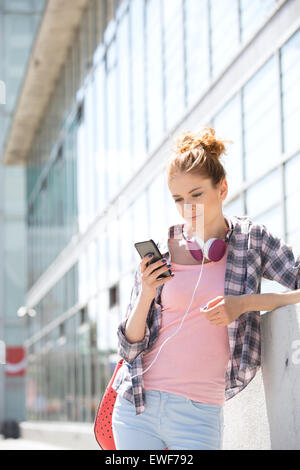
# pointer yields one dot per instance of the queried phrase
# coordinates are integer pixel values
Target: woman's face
(195, 198)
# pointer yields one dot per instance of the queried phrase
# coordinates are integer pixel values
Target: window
(157, 206)
(264, 195)
(139, 152)
(124, 100)
(224, 32)
(253, 14)
(227, 124)
(235, 207)
(100, 136)
(112, 157)
(292, 194)
(173, 60)
(154, 74)
(260, 120)
(290, 75)
(196, 31)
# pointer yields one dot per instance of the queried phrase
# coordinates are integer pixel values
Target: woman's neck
(217, 229)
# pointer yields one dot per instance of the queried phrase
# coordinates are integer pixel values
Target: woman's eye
(194, 195)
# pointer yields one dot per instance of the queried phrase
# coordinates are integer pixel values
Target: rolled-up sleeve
(129, 351)
(279, 262)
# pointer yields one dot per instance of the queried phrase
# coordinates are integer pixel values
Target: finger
(162, 281)
(152, 266)
(220, 323)
(145, 260)
(214, 316)
(158, 272)
(217, 322)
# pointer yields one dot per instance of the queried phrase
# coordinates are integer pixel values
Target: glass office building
(19, 22)
(136, 73)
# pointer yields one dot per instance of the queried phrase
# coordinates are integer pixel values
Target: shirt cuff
(129, 351)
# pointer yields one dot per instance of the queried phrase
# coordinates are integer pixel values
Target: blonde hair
(198, 153)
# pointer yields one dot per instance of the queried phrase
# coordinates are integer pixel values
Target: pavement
(25, 444)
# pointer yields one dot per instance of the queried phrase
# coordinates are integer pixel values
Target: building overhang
(48, 54)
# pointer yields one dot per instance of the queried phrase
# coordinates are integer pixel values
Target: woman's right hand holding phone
(150, 273)
(135, 324)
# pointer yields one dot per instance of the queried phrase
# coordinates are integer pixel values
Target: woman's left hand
(224, 310)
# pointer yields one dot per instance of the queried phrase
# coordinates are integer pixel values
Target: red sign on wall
(15, 361)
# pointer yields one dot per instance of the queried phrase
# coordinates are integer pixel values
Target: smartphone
(147, 247)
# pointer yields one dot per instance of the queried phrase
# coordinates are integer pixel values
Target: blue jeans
(169, 420)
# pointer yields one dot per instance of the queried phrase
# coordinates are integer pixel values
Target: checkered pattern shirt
(253, 253)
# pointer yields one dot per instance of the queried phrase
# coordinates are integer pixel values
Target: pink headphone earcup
(216, 249)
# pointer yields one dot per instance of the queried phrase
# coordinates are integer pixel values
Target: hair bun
(204, 140)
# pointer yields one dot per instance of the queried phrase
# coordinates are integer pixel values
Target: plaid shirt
(253, 253)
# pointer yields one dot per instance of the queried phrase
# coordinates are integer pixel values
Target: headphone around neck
(213, 249)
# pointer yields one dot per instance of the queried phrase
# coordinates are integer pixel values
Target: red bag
(102, 425)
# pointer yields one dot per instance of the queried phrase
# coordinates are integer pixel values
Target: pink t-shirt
(192, 363)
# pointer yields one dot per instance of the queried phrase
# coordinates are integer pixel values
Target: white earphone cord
(179, 325)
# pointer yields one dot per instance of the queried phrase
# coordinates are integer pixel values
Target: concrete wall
(266, 414)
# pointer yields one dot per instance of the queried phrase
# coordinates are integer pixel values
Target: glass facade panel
(262, 196)
(253, 14)
(140, 218)
(126, 241)
(113, 171)
(173, 46)
(294, 240)
(83, 286)
(157, 207)
(224, 33)
(139, 152)
(100, 137)
(124, 155)
(197, 63)
(292, 196)
(82, 179)
(154, 74)
(113, 248)
(273, 220)
(261, 123)
(89, 150)
(13, 239)
(235, 207)
(227, 123)
(290, 96)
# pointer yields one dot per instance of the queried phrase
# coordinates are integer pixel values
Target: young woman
(178, 369)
